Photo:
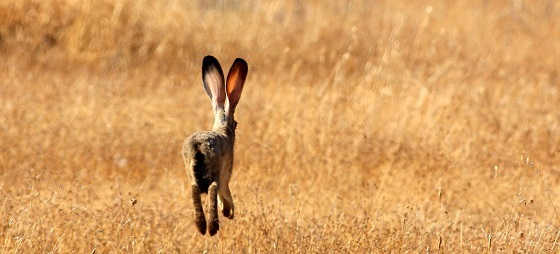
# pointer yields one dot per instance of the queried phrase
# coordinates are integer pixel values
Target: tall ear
(235, 80)
(213, 80)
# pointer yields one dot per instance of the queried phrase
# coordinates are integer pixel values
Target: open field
(364, 127)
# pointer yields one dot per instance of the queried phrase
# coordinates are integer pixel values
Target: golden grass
(364, 127)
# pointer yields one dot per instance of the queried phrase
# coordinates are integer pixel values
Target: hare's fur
(208, 155)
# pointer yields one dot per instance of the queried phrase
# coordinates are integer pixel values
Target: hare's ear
(213, 81)
(235, 80)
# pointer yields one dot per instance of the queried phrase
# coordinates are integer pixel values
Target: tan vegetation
(364, 127)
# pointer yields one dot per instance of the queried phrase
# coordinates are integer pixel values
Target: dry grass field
(364, 127)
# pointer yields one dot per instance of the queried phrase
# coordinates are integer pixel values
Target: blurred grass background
(365, 126)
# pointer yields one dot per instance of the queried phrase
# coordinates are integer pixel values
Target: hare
(208, 155)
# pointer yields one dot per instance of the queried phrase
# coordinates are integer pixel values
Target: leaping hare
(208, 155)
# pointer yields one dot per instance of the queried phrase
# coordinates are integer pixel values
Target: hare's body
(208, 158)
(208, 155)
(211, 155)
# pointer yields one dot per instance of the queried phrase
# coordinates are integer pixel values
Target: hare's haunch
(208, 155)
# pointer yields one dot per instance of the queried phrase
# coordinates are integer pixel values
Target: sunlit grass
(364, 127)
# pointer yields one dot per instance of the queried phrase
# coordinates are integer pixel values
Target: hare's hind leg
(199, 218)
(213, 222)
(190, 165)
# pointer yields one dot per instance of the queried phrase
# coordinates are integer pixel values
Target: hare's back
(211, 144)
(205, 150)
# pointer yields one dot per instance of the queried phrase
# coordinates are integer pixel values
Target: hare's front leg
(227, 201)
(199, 219)
(213, 221)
